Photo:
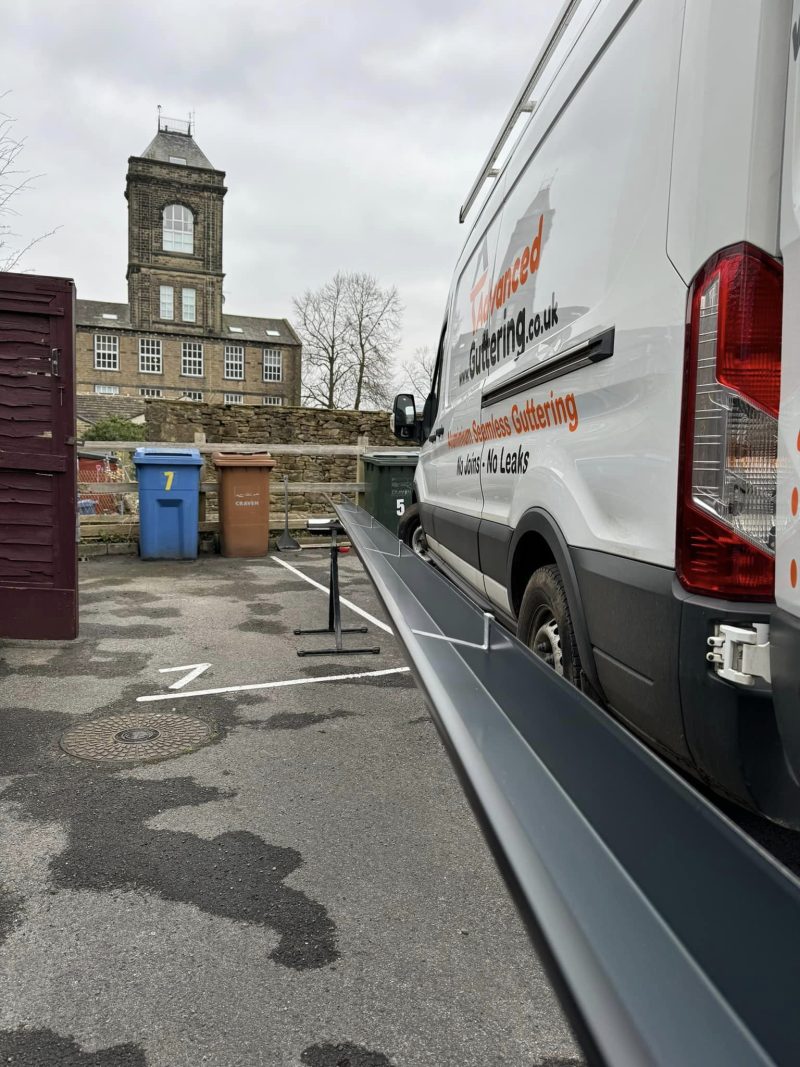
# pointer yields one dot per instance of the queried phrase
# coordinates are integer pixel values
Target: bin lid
(243, 459)
(392, 459)
(111, 456)
(159, 456)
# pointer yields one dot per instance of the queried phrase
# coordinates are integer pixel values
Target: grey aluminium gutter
(670, 937)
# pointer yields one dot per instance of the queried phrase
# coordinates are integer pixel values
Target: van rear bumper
(649, 637)
(784, 639)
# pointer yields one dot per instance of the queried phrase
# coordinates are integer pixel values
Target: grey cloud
(349, 132)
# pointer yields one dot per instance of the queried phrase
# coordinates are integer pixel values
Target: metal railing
(522, 105)
(115, 502)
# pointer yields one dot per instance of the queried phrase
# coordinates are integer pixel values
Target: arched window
(178, 229)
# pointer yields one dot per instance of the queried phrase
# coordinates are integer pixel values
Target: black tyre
(545, 624)
(410, 531)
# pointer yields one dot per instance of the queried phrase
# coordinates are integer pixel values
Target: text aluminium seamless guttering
(669, 937)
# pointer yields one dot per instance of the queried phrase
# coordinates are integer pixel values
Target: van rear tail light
(729, 442)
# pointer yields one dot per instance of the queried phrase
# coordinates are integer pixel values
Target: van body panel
(656, 141)
(634, 619)
(785, 630)
(726, 166)
(598, 246)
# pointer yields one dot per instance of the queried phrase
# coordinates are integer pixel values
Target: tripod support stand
(335, 613)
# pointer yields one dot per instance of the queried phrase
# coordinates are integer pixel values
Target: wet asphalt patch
(66, 663)
(10, 908)
(237, 875)
(43, 1048)
(103, 631)
(263, 626)
(138, 611)
(345, 1055)
(260, 607)
(296, 720)
(286, 586)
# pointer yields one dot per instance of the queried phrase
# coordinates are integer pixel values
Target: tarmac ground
(281, 869)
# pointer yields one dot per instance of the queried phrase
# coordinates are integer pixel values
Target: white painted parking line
(194, 669)
(324, 588)
(273, 685)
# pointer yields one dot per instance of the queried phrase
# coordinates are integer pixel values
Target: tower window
(192, 359)
(272, 365)
(178, 235)
(189, 305)
(167, 302)
(106, 352)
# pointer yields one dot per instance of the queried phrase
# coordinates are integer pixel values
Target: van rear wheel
(545, 624)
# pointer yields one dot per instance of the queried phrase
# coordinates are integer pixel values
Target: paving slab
(301, 884)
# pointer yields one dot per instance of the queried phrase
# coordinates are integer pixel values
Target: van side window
(431, 409)
(470, 313)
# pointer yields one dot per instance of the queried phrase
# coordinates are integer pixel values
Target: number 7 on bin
(168, 476)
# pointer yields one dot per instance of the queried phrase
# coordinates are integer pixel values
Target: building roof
(262, 331)
(101, 313)
(234, 327)
(92, 408)
(170, 143)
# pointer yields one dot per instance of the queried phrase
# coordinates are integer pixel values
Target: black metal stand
(335, 614)
(286, 542)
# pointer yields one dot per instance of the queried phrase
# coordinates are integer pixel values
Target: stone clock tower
(174, 235)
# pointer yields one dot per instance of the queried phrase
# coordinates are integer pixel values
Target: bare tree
(416, 373)
(322, 323)
(12, 183)
(374, 316)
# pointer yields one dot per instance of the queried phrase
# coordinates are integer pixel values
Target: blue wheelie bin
(169, 495)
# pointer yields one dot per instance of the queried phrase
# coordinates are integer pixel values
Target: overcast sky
(350, 132)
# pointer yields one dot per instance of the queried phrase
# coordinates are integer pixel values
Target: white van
(611, 450)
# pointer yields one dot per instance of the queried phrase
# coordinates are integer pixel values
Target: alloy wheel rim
(547, 641)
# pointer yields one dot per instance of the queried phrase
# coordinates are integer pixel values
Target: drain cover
(138, 736)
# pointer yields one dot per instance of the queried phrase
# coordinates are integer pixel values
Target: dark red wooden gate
(38, 549)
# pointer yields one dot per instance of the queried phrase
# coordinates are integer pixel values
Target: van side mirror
(404, 416)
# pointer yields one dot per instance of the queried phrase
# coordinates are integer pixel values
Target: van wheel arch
(537, 541)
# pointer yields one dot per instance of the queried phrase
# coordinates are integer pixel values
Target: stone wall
(179, 421)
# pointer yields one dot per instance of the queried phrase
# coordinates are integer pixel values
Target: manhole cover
(138, 736)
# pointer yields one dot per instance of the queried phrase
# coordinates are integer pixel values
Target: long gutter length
(670, 938)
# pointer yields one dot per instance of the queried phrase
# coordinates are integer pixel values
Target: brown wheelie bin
(243, 502)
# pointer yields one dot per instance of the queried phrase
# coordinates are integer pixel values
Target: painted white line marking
(324, 588)
(273, 685)
(194, 669)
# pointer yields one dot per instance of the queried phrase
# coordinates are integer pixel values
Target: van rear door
(785, 629)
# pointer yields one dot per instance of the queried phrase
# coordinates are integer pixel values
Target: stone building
(172, 340)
